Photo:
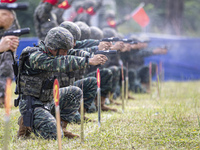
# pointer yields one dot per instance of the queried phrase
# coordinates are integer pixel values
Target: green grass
(171, 122)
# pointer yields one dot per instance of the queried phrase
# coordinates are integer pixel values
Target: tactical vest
(41, 84)
(79, 74)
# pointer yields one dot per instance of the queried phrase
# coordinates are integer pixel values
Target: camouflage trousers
(117, 81)
(6, 70)
(89, 88)
(106, 85)
(44, 122)
(116, 77)
(141, 75)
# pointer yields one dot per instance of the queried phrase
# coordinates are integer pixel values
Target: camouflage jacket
(86, 43)
(44, 20)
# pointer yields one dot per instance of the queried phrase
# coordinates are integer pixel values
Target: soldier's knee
(44, 124)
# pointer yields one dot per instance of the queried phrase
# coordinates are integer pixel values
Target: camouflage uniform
(37, 70)
(44, 19)
(138, 73)
(6, 61)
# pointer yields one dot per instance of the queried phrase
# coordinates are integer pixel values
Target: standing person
(44, 18)
(38, 67)
(7, 22)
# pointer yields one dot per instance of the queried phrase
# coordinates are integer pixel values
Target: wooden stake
(99, 97)
(57, 109)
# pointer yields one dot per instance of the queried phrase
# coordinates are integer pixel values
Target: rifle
(14, 6)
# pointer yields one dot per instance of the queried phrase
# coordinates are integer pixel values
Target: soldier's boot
(111, 99)
(86, 118)
(67, 133)
(23, 130)
(1, 102)
(131, 97)
(113, 102)
(106, 108)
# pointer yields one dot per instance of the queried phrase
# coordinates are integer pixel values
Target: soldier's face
(7, 18)
(63, 52)
(74, 43)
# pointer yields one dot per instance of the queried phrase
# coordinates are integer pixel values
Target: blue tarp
(180, 63)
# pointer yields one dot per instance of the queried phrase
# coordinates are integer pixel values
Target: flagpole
(137, 8)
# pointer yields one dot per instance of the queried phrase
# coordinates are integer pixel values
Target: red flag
(8, 1)
(141, 17)
(98, 78)
(64, 5)
(56, 92)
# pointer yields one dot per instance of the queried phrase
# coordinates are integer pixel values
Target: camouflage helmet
(120, 35)
(85, 30)
(96, 33)
(73, 28)
(110, 14)
(59, 38)
(134, 37)
(109, 32)
(88, 3)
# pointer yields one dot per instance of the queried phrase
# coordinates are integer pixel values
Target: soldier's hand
(117, 46)
(9, 43)
(98, 59)
(104, 45)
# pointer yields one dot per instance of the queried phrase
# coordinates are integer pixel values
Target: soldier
(106, 74)
(96, 33)
(59, 11)
(38, 67)
(138, 72)
(45, 19)
(7, 22)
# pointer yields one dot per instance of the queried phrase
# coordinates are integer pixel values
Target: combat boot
(23, 130)
(86, 118)
(103, 107)
(67, 133)
(113, 102)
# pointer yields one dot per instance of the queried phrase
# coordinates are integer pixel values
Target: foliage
(171, 122)
(156, 10)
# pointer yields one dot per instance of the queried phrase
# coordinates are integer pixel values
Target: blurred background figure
(8, 21)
